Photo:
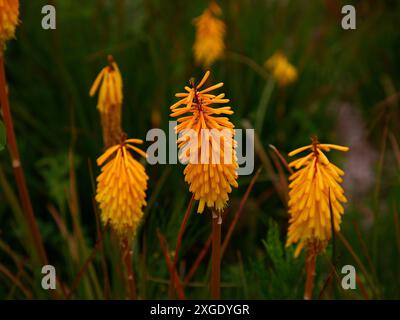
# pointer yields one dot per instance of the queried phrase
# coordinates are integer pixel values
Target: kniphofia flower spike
(211, 181)
(210, 31)
(109, 85)
(9, 13)
(282, 70)
(314, 189)
(121, 188)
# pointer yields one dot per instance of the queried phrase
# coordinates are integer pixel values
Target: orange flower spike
(210, 32)
(9, 13)
(210, 182)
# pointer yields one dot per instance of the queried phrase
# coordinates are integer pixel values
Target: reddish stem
(182, 230)
(216, 258)
(238, 212)
(127, 257)
(198, 260)
(310, 270)
(16, 164)
(172, 271)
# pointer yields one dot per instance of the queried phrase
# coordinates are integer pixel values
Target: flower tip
(137, 141)
(298, 150)
(110, 59)
(335, 147)
(201, 206)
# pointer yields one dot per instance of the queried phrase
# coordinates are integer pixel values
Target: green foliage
(55, 172)
(277, 273)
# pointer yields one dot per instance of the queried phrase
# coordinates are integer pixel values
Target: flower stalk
(182, 230)
(127, 255)
(310, 274)
(17, 167)
(216, 256)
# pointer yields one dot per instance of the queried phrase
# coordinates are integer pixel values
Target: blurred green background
(347, 93)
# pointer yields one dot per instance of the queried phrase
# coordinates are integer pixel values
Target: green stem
(263, 105)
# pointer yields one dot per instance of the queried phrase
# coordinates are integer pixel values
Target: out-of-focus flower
(210, 31)
(314, 189)
(209, 174)
(121, 188)
(109, 102)
(282, 70)
(9, 12)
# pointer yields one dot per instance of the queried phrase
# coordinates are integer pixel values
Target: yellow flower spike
(210, 31)
(282, 70)
(9, 13)
(314, 185)
(109, 86)
(110, 82)
(121, 188)
(210, 182)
